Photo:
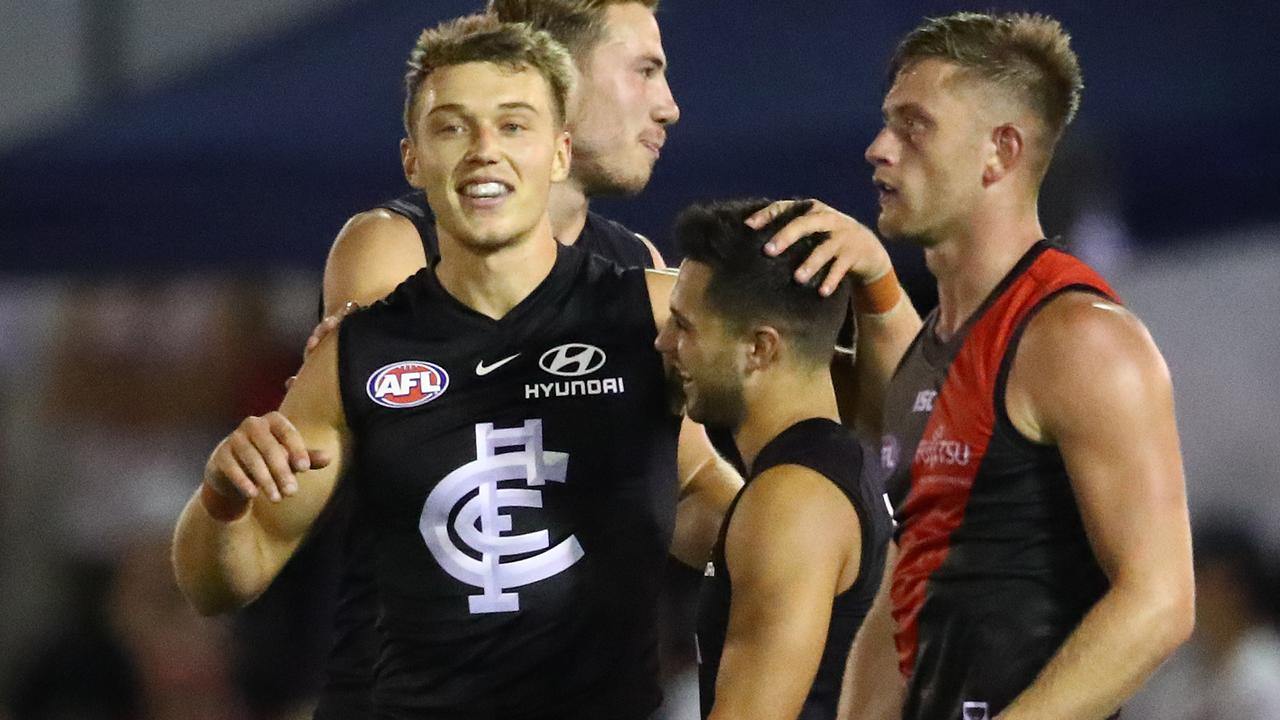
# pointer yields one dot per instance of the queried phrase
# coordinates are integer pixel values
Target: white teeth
(484, 190)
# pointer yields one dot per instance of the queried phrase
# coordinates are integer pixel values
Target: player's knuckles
(276, 458)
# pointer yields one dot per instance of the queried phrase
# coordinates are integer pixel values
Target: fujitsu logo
(472, 497)
(938, 449)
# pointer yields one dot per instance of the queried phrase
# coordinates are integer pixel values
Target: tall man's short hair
(748, 287)
(485, 38)
(1027, 56)
(577, 24)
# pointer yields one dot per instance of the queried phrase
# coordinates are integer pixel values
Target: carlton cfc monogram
(479, 524)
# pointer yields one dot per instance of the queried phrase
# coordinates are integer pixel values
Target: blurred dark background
(258, 154)
(172, 174)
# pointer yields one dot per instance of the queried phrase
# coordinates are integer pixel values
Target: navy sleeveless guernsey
(832, 451)
(519, 479)
(349, 666)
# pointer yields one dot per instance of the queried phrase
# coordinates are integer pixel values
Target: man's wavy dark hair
(748, 287)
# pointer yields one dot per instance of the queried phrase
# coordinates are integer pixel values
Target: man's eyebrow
(513, 105)
(518, 105)
(908, 108)
(658, 60)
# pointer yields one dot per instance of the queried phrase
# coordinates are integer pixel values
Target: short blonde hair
(1027, 55)
(577, 24)
(485, 38)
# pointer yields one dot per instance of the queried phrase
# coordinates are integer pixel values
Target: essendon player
(519, 534)
(1044, 560)
(801, 550)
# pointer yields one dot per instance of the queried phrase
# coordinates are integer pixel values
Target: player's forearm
(708, 485)
(219, 566)
(873, 686)
(1117, 646)
(704, 498)
(882, 340)
(767, 677)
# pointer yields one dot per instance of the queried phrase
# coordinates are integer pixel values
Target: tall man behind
(1044, 567)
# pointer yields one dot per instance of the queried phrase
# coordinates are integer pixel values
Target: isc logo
(407, 383)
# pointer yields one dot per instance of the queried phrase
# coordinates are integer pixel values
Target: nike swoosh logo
(482, 369)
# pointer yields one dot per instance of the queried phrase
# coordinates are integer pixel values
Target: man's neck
(568, 211)
(780, 402)
(493, 283)
(970, 261)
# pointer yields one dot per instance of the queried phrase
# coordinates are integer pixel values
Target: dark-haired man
(801, 549)
(1044, 565)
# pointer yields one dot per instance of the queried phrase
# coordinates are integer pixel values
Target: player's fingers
(764, 215)
(291, 439)
(276, 455)
(288, 382)
(321, 330)
(802, 226)
(840, 266)
(816, 261)
(226, 468)
(250, 460)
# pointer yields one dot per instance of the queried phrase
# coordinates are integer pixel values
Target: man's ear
(563, 157)
(765, 348)
(1008, 145)
(409, 162)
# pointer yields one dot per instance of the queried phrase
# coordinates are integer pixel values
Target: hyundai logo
(572, 359)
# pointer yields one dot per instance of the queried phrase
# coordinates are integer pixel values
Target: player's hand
(322, 330)
(261, 456)
(851, 248)
(328, 325)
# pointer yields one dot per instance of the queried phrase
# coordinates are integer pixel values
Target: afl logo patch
(406, 384)
(572, 360)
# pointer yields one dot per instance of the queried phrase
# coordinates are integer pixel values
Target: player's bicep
(788, 542)
(1101, 392)
(373, 253)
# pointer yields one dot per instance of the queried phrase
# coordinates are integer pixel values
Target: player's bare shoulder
(374, 252)
(1080, 350)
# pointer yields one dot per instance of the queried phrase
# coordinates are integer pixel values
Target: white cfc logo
(480, 526)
